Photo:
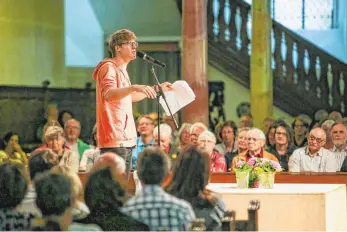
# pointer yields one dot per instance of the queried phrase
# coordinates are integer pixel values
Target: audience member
(90, 156)
(72, 129)
(13, 186)
(284, 146)
(320, 114)
(336, 116)
(242, 146)
(105, 194)
(145, 126)
(189, 181)
(270, 136)
(165, 139)
(255, 147)
(228, 131)
(54, 139)
(154, 207)
(339, 137)
(39, 162)
(167, 119)
(183, 136)
(206, 143)
(195, 130)
(64, 116)
(326, 126)
(79, 209)
(267, 123)
(12, 151)
(113, 160)
(313, 157)
(301, 126)
(55, 200)
(246, 120)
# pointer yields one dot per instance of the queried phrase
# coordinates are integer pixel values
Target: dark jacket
(283, 159)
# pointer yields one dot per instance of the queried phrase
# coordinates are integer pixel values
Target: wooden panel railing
(306, 78)
(280, 178)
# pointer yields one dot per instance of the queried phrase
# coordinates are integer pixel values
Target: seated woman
(54, 138)
(12, 151)
(190, 178)
(105, 195)
(13, 186)
(183, 136)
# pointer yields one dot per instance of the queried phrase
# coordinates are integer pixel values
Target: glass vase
(242, 180)
(267, 180)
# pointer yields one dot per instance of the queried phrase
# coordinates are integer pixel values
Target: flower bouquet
(261, 171)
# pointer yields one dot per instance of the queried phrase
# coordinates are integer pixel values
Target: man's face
(127, 50)
(164, 142)
(281, 136)
(145, 127)
(299, 128)
(339, 135)
(206, 144)
(254, 141)
(195, 134)
(228, 135)
(72, 131)
(246, 121)
(316, 139)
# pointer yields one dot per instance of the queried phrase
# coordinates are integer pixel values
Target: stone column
(261, 92)
(194, 58)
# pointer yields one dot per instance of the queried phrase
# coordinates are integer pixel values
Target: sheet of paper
(179, 97)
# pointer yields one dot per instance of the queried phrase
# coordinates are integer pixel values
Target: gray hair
(165, 130)
(208, 134)
(197, 125)
(259, 132)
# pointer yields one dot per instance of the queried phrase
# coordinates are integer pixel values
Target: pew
(282, 178)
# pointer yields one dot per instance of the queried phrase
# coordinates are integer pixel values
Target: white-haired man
(195, 130)
(206, 143)
(339, 137)
(313, 157)
(256, 143)
(165, 142)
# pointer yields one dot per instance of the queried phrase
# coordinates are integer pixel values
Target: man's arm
(294, 161)
(139, 91)
(139, 96)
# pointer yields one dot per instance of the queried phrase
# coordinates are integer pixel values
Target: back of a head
(41, 161)
(53, 194)
(191, 174)
(13, 186)
(152, 166)
(103, 191)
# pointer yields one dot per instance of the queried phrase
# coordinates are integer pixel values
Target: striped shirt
(302, 161)
(339, 156)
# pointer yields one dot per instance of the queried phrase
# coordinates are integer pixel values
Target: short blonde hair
(53, 132)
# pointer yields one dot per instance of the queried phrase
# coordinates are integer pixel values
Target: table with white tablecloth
(318, 207)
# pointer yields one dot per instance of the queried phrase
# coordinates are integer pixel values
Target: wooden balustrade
(282, 177)
(306, 78)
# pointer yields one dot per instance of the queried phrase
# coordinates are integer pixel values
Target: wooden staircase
(305, 77)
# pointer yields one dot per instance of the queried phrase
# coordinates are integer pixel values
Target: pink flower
(275, 165)
(252, 161)
(239, 164)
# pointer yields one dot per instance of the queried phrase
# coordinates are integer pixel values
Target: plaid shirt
(159, 210)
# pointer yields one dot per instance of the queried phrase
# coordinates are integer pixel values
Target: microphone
(149, 59)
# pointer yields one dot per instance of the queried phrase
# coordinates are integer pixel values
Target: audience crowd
(41, 190)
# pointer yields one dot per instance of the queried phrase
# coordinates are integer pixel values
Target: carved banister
(306, 78)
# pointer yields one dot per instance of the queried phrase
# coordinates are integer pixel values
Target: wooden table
(282, 177)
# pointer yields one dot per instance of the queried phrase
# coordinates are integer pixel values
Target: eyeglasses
(318, 140)
(131, 43)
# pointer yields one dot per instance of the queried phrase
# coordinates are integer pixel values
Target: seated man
(165, 140)
(72, 129)
(256, 143)
(206, 143)
(153, 206)
(339, 137)
(144, 126)
(313, 157)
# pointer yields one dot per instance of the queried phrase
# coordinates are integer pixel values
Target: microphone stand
(161, 93)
